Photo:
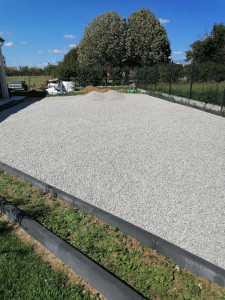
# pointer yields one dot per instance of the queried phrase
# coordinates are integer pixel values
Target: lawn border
(171, 99)
(92, 273)
(183, 258)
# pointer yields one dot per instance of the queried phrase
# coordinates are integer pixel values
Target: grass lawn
(32, 81)
(211, 92)
(148, 272)
(23, 275)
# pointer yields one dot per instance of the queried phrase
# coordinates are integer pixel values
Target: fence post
(156, 76)
(223, 102)
(74, 79)
(106, 79)
(145, 78)
(138, 77)
(171, 75)
(192, 78)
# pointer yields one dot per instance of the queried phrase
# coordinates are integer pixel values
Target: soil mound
(91, 88)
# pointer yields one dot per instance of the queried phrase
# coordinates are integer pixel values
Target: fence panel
(204, 82)
(199, 81)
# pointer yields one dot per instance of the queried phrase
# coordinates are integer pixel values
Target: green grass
(210, 92)
(150, 273)
(206, 92)
(116, 88)
(34, 80)
(75, 93)
(23, 275)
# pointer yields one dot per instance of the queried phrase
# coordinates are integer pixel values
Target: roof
(12, 68)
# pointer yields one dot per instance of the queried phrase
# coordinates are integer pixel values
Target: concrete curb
(183, 258)
(10, 104)
(169, 98)
(110, 286)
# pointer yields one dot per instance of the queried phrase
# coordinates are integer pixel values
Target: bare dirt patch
(91, 88)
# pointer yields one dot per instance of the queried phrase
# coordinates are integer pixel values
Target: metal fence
(31, 81)
(203, 82)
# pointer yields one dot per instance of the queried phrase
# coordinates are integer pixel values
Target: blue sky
(37, 32)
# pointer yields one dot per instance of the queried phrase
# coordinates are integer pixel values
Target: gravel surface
(158, 165)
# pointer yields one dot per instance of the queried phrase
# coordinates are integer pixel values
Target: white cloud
(177, 53)
(42, 65)
(44, 52)
(164, 21)
(69, 36)
(9, 44)
(28, 63)
(55, 51)
(6, 33)
(23, 42)
(72, 45)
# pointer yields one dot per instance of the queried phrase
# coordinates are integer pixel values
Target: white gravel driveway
(158, 165)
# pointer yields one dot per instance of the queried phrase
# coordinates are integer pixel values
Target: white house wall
(3, 83)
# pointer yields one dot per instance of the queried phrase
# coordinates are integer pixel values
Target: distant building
(3, 84)
(12, 68)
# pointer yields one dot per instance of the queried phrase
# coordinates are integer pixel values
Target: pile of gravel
(156, 164)
(108, 96)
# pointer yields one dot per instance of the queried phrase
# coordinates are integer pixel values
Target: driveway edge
(183, 258)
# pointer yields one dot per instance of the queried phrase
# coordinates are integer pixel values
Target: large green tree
(103, 42)
(49, 70)
(212, 47)
(68, 67)
(147, 41)
(218, 43)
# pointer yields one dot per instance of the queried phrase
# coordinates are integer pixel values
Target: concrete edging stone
(107, 284)
(183, 258)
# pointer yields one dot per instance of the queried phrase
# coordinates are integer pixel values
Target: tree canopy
(211, 48)
(68, 67)
(110, 44)
(110, 41)
(103, 42)
(147, 41)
